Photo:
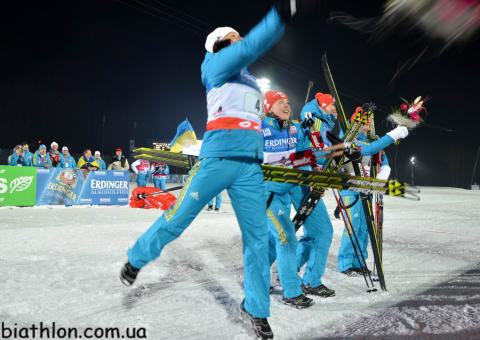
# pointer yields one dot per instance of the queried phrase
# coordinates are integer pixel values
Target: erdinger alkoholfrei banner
(59, 186)
(105, 187)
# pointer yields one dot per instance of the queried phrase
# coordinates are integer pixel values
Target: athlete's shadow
(187, 268)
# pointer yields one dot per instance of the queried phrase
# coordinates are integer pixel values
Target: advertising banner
(17, 186)
(105, 187)
(43, 176)
(63, 186)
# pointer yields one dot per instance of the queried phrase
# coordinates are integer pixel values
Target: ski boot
(210, 208)
(128, 274)
(322, 291)
(217, 209)
(298, 302)
(259, 325)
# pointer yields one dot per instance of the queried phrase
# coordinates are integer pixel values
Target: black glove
(289, 8)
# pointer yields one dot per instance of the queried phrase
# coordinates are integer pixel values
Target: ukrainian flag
(185, 137)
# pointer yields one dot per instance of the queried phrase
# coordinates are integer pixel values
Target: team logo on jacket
(266, 132)
(293, 129)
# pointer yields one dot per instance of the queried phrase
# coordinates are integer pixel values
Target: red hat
(270, 98)
(358, 110)
(118, 149)
(324, 99)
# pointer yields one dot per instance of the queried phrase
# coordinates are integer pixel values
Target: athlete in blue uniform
(314, 245)
(347, 260)
(283, 138)
(229, 159)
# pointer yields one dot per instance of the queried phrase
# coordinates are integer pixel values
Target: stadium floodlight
(412, 165)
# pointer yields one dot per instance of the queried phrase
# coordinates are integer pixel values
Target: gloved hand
(399, 132)
(384, 172)
(287, 9)
(307, 120)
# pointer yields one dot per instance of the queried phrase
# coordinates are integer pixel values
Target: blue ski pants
(346, 255)
(283, 244)
(243, 180)
(314, 245)
(160, 182)
(142, 179)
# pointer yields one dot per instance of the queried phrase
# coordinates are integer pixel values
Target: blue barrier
(74, 186)
(105, 187)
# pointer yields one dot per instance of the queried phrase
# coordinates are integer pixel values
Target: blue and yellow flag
(185, 137)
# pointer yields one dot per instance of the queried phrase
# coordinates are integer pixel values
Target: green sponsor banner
(18, 186)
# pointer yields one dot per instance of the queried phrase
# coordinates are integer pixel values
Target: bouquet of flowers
(409, 114)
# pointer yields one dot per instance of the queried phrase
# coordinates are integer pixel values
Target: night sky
(66, 64)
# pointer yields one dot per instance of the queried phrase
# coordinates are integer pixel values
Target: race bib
(252, 103)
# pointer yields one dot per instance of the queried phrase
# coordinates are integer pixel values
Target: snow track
(61, 264)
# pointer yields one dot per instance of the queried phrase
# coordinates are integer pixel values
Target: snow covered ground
(61, 264)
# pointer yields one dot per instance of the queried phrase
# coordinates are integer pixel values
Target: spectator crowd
(53, 158)
(145, 171)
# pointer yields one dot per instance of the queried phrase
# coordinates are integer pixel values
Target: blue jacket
(279, 143)
(229, 66)
(28, 158)
(158, 172)
(41, 162)
(371, 148)
(327, 123)
(16, 160)
(102, 164)
(67, 162)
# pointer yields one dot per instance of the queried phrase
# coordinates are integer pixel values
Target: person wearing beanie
(160, 171)
(54, 154)
(119, 161)
(100, 161)
(229, 159)
(41, 159)
(66, 160)
(347, 260)
(282, 137)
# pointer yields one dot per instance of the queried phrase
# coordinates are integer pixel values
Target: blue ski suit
(314, 245)
(352, 200)
(159, 175)
(229, 159)
(280, 142)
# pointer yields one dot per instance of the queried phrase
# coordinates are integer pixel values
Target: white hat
(53, 143)
(64, 148)
(218, 34)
